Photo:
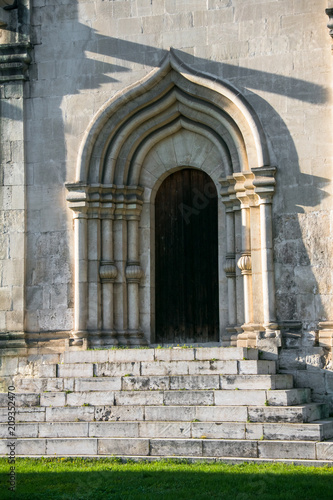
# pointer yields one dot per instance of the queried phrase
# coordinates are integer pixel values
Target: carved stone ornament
(329, 12)
(108, 271)
(230, 267)
(245, 264)
(134, 273)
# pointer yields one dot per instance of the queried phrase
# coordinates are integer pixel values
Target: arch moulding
(173, 118)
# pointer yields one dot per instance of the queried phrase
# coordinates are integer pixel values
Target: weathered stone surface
(188, 398)
(170, 413)
(291, 449)
(305, 413)
(240, 397)
(165, 368)
(119, 413)
(86, 357)
(21, 431)
(254, 431)
(75, 414)
(139, 398)
(117, 369)
(256, 382)
(98, 384)
(130, 355)
(325, 450)
(114, 429)
(261, 367)
(73, 447)
(20, 399)
(218, 430)
(232, 353)
(122, 446)
(246, 449)
(211, 367)
(192, 382)
(298, 432)
(26, 447)
(145, 383)
(288, 397)
(63, 430)
(53, 399)
(24, 414)
(167, 447)
(221, 413)
(174, 354)
(75, 370)
(94, 398)
(165, 429)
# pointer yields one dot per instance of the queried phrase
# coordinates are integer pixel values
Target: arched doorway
(174, 117)
(186, 259)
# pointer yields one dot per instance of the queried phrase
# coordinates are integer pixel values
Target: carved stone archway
(172, 118)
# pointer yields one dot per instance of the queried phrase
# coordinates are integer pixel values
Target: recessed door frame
(184, 220)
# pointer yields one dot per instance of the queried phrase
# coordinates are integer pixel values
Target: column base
(77, 338)
(270, 330)
(230, 337)
(131, 337)
(325, 336)
(249, 334)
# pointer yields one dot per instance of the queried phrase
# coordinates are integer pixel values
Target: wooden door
(186, 257)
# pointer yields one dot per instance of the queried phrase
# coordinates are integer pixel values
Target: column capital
(228, 194)
(264, 183)
(105, 200)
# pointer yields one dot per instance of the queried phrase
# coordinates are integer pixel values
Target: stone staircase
(210, 402)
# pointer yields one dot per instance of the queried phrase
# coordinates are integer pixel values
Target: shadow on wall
(52, 78)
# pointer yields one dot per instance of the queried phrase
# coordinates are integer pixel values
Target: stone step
(45, 365)
(163, 354)
(144, 447)
(132, 411)
(277, 414)
(178, 382)
(160, 368)
(266, 399)
(316, 431)
(296, 414)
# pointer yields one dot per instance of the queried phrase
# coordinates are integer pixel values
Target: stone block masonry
(100, 102)
(86, 52)
(108, 415)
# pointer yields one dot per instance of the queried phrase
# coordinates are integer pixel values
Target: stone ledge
(14, 61)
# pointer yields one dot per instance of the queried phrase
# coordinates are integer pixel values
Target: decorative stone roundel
(230, 267)
(244, 264)
(108, 272)
(134, 273)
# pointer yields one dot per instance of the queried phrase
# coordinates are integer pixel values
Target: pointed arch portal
(172, 119)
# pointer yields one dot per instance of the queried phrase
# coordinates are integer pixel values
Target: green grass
(79, 478)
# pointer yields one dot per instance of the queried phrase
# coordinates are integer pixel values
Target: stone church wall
(277, 53)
